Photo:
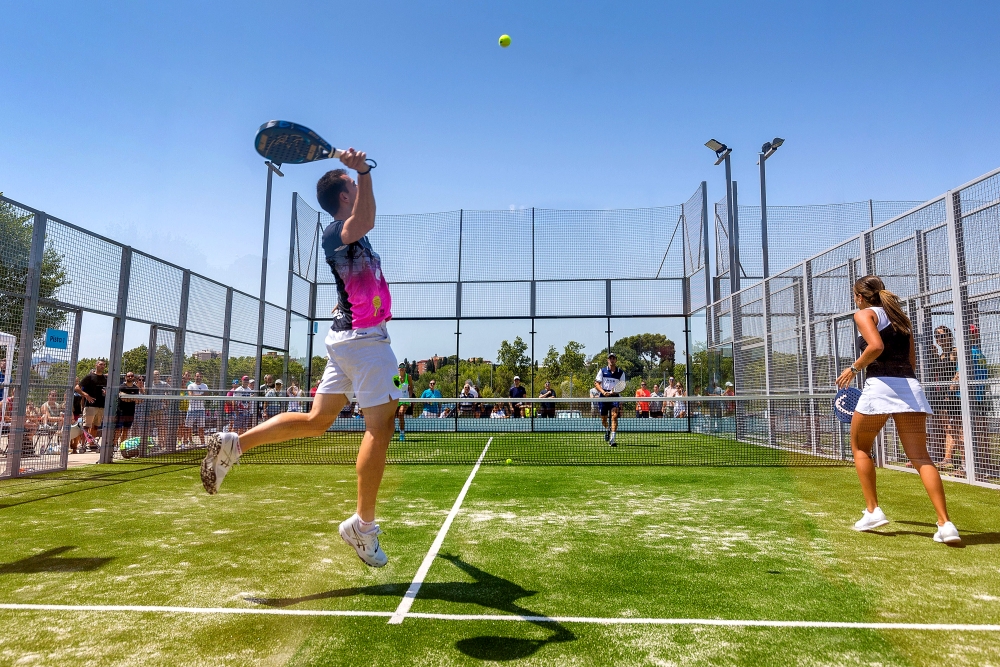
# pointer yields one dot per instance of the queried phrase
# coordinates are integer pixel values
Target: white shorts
(888, 395)
(361, 362)
(195, 419)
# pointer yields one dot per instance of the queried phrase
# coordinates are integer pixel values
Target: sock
(366, 526)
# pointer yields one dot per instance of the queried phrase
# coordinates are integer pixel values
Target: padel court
(538, 565)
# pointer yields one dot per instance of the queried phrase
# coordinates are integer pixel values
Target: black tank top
(894, 362)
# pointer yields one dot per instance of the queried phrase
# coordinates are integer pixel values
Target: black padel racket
(284, 142)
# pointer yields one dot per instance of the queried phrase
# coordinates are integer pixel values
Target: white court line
(724, 622)
(425, 566)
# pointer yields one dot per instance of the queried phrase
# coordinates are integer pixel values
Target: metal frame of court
(790, 334)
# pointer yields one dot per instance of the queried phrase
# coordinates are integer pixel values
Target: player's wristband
(362, 173)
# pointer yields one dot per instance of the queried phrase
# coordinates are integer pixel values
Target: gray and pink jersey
(363, 298)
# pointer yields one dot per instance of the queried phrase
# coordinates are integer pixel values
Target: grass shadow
(48, 561)
(486, 590)
(54, 485)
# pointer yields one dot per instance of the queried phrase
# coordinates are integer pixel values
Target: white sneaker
(947, 534)
(870, 520)
(366, 544)
(223, 452)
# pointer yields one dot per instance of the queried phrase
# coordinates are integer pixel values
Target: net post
(959, 296)
(115, 359)
(26, 344)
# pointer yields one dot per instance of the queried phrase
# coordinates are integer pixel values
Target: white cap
(517, 377)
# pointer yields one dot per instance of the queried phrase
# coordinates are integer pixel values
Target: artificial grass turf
(537, 448)
(584, 541)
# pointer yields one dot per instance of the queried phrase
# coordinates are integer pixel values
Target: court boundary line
(591, 620)
(418, 579)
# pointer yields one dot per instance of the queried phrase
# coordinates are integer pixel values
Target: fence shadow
(26, 490)
(50, 561)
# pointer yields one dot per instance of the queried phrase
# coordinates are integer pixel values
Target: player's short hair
(328, 190)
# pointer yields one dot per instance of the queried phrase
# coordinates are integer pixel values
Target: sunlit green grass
(603, 541)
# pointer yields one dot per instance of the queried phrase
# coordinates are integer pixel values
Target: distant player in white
(361, 362)
(607, 378)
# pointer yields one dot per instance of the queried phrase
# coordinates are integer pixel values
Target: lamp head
(722, 151)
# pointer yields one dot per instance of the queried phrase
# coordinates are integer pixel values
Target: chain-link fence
(52, 273)
(794, 332)
(794, 233)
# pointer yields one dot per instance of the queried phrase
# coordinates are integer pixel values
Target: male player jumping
(361, 360)
(606, 380)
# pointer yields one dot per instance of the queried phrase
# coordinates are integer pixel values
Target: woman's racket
(844, 403)
(284, 142)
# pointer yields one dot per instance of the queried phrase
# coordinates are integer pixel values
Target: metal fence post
(227, 331)
(953, 217)
(26, 344)
(147, 425)
(768, 360)
(736, 266)
(807, 336)
(74, 356)
(115, 359)
(709, 296)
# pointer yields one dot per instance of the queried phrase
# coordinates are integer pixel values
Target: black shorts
(606, 408)
(642, 413)
(656, 413)
(125, 421)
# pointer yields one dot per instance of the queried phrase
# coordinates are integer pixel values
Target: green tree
(134, 360)
(512, 361)
(15, 239)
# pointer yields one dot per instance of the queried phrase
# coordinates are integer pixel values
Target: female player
(891, 389)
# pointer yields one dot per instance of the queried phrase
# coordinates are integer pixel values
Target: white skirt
(888, 395)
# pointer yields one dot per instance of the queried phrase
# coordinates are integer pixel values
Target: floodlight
(777, 141)
(715, 145)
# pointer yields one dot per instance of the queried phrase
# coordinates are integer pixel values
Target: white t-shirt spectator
(195, 389)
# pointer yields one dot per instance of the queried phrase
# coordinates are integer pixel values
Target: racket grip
(336, 153)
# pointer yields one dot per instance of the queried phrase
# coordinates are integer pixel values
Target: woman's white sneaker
(365, 543)
(870, 520)
(947, 533)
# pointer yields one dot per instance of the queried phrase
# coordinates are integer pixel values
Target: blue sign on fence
(57, 339)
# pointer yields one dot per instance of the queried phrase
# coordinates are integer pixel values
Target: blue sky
(136, 119)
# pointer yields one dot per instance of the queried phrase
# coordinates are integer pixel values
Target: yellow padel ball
(505, 41)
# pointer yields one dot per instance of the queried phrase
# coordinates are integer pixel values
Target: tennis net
(718, 431)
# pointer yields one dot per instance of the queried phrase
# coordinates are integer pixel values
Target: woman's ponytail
(873, 291)
(893, 309)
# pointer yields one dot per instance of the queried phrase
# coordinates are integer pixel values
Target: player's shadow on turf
(486, 590)
(969, 538)
(48, 561)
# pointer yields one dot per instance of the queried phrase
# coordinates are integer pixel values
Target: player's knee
(317, 424)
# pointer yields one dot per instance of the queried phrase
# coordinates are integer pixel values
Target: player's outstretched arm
(362, 219)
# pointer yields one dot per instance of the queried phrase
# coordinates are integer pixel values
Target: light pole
(272, 169)
(766, 151)
(722, 152)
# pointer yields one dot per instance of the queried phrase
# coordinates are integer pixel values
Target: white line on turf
(425, 566)
(724, 622)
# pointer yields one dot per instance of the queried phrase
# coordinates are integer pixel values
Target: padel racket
(284, 142)
(844, 403)
(618, 387)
